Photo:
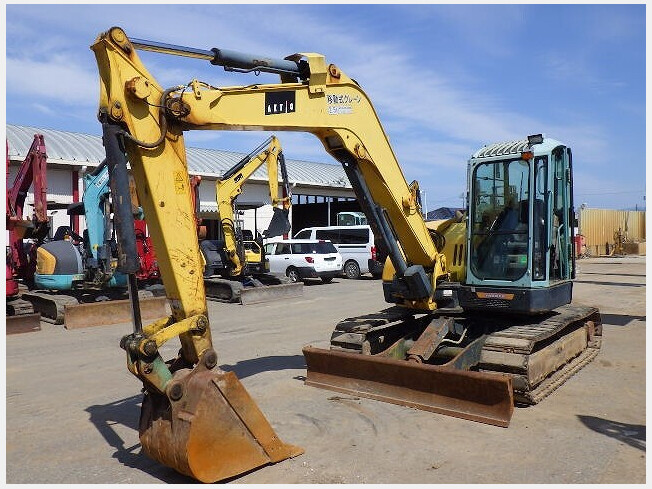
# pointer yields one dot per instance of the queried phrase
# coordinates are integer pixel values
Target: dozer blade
(475, 396)
(105, 313)
(270, 293)
(212, 431)
(23, 323)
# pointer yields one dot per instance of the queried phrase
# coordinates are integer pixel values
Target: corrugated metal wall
(598, 227)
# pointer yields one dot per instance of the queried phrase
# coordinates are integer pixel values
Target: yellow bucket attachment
(208, 427)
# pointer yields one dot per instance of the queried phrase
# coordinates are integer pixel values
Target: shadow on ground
(619, 319)
(616, 274)
(632, 434)
(127, 413)
(612, 284)
(253, 366)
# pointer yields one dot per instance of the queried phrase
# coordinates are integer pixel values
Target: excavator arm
(229, 187)
(96, 209)
(195, 417)
(32, 171)
(312, 97)
(146, 122)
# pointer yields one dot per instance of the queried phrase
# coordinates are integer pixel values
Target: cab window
(332, 235)
(499, 232)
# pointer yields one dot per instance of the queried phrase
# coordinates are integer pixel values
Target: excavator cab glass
(500, 224)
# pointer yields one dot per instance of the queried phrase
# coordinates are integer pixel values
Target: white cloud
(573, 70)
(44, 109)
(57, 79)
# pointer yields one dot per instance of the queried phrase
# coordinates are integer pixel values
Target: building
(319, 190)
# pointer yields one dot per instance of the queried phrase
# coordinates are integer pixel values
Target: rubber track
(51, 306)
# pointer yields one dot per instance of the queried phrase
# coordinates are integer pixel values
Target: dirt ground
(72, 407)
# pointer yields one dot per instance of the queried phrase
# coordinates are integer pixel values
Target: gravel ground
(72, 407)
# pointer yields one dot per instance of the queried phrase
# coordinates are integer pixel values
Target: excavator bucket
(279, 225)
(476, 396)
(209, 428)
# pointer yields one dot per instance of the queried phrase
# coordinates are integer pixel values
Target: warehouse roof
(70, 148)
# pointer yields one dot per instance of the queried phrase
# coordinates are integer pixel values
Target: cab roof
(509, 148)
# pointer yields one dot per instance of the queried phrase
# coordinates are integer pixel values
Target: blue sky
(445, 79)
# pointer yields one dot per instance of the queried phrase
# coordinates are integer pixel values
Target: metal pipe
(241, 164)
(236, 61)
(229, 59)
(448, 351)
(123, 217)
(160, 47)
(132, 286)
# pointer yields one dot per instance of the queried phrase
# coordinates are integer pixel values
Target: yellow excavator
(480, 314)
(236, 268)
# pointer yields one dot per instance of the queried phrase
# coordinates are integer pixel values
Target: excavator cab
(520, 230)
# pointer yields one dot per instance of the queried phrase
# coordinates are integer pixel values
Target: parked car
(356, 244)
(299, 259)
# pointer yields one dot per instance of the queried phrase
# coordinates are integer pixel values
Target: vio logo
(279, 102)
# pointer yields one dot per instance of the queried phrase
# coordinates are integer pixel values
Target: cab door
(562, 216)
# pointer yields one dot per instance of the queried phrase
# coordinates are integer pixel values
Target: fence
(599, 225)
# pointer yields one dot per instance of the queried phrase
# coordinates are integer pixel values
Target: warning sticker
(179, 182)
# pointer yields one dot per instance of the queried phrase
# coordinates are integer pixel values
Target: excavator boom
(229, 187)
(312, 97)
(327, 104)
(195, 418)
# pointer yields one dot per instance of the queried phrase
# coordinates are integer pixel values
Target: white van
(355, 244)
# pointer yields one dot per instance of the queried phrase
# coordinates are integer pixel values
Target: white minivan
(355, 244)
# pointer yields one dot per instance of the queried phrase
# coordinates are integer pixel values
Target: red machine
(22, 261)
(148, 271)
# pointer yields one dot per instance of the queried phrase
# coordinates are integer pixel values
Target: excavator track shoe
(208, 427)
(475, 396)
